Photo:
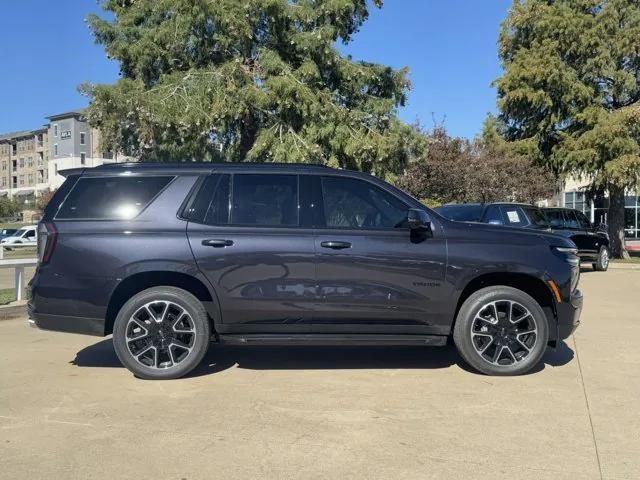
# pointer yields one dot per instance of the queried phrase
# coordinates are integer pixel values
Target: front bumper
(569, 314)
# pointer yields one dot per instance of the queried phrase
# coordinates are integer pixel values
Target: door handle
(335, 244)
(217, 243)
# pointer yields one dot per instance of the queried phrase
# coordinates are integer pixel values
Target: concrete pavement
(69, 410)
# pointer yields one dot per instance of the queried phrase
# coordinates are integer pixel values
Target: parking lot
(69, 410)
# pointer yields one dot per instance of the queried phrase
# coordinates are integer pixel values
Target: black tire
(195, 322)
(602, 262)
(472, 315)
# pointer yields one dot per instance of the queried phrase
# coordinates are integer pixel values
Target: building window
(83, 158)
(4, 165)
(22, 163)
(30, 179)
(55, 168)
(55, 149)
(4, 182)
(21, 179)
(82, 138)
(55, 130)
(30, 162)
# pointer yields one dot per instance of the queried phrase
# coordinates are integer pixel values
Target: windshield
(461, 213)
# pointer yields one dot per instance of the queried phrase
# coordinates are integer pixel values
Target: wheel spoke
(503, 332)
(156, 338)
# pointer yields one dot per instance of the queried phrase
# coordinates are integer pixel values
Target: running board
(331, 339)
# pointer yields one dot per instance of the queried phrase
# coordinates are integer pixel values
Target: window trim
(110, 219)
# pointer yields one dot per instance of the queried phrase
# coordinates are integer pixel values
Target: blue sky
(46, 50)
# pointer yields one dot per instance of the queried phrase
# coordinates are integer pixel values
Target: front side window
(571, 220)
(583, 221)
(357, 204)
(556, 218)
(536, 217)
(117, 198)
(264, 200)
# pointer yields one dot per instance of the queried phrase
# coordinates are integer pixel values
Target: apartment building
(24, 160)
(30, 160)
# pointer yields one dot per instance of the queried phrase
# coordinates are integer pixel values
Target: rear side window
(110, 197)
(265, 200)
(494, 215)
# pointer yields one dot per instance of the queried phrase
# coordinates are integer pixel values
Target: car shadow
(220, 358)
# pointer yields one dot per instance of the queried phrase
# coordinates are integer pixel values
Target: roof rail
(107, 166)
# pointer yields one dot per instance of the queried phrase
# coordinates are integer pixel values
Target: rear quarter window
(114, 198)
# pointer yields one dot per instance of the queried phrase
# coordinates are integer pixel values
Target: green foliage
(235, 80)
(10, 207)
(486, 170)
(571, 86)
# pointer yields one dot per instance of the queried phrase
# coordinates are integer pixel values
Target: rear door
(373, 277)
(246, 238)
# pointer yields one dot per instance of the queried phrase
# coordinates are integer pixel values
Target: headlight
(569, 254)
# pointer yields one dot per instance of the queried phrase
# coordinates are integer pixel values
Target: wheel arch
(530, 284)
(137, 282)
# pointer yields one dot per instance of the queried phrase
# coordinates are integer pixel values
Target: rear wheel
(501, 331)
(602, 262)
(161, 333)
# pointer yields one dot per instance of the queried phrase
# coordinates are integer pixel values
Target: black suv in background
(169, 258)
(592, 241)
(519, 215)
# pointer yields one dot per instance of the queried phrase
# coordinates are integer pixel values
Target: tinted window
(218, 213)
(571, 220)
(111, 197)
(515, 217)
(536, 217)
(352, 203)
(556, 219)
(583, 221)
(265, 200)
(461, 213)
(493, 215)
(211, 204)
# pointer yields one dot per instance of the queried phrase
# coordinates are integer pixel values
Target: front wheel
(501, 331)
(161, 333)
(602, 262)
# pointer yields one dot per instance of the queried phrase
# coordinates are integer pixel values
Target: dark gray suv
(169, 258)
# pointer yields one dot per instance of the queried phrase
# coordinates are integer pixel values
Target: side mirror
(418, 220)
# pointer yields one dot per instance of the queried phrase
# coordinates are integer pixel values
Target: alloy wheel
(503, 332)
(160, 334)
(604, 258)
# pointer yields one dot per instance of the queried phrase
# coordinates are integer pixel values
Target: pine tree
(236, 80)
(570, 93)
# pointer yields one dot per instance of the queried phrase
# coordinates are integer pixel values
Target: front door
(245, 236)
(373, 277)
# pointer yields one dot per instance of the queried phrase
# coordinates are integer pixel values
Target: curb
(11, 311)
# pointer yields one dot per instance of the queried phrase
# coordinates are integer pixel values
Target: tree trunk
(248, 136)
(616, 222)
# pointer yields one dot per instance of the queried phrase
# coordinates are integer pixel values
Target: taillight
(47, 236)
